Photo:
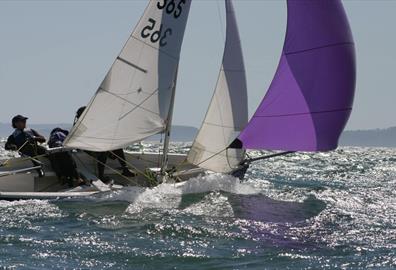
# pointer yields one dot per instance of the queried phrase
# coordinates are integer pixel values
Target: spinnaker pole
(250, 160)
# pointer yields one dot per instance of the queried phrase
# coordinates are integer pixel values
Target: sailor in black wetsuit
(26, 141)
(102, 156)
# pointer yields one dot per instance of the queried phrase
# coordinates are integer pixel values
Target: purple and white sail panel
(310, 99)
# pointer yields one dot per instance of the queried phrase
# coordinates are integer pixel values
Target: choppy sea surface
(305, 211)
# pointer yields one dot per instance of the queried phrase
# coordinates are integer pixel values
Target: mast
(164, 163)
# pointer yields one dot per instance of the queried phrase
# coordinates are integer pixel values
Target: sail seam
(212, 152)
(216, 125)
(307, 113)
(131, 64)
(320, 47)
(139, 106)
(134, 104)
(158, 49)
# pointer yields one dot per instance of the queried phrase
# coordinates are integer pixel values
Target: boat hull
(17, 181)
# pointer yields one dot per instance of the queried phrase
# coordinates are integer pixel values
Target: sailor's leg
(119, 153)
(102, 158)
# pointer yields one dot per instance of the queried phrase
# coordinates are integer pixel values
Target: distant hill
(44, 129)
(373, 137)
(179, 133)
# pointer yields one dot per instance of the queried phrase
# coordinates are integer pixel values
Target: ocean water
(305, 211)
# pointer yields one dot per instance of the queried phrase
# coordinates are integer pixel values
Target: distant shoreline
(179, 133)
(362, 138)
(371, 138)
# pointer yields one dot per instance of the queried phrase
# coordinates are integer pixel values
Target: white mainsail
(228, 111)
(133, 101)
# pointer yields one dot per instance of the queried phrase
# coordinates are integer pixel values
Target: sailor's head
(19, 121)
(80, 111)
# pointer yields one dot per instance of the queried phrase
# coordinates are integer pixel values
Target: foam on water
(169, 196)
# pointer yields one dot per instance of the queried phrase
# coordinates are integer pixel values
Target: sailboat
(305, 109)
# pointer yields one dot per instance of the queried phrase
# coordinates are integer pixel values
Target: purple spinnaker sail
(310, 99)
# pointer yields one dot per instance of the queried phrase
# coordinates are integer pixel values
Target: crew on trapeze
(102, 156)
(26, 141)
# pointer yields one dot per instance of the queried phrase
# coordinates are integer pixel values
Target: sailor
(102, 156)
(62, 162)
(26, 141)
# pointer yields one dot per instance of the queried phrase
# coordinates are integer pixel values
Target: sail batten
(310, 98)
(134, 100)
(227, 113)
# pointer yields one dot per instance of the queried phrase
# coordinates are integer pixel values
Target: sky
(55, 53)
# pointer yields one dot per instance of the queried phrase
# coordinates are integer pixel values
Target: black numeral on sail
(146, 30)
(171, 7)
(158, 35)
(163, 39)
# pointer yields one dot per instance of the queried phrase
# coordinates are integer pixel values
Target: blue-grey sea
(305, 211)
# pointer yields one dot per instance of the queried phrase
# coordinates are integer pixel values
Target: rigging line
(132, 166)
(210, 152)
(146, 160)
(246, 161)
(159, 151)
(19, 149)
(113, 139)
(139, 106)
(14, 172)
(43, 155)
(209, 158)
(320, 47)
(306, 113)
(112, 169)
(134, 104)
(19, 160)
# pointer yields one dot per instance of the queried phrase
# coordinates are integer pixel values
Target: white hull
(18, 182)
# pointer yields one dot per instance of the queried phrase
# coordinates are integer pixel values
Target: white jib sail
(133, 101)
(228, 112)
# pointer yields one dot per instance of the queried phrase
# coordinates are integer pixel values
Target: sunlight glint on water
(306, 211)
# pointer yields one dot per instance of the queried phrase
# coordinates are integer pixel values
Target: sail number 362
(170, 7)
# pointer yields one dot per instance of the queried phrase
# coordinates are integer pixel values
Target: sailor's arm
(10, 144)
(37, 137)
